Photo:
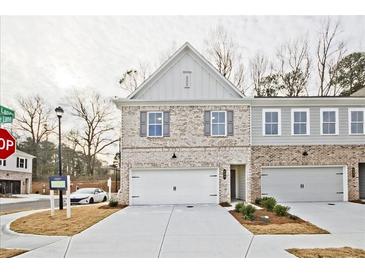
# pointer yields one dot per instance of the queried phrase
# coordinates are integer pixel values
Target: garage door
(303, 184)
(174, 186)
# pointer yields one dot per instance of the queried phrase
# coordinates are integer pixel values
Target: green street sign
(4, 119)
(4, 111)
(6, 115)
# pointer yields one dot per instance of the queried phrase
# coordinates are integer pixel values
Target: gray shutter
(143, 124)
(230, 123)
(207, 123)
(166, 123)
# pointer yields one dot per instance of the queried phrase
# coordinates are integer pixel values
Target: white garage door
(304, 184)
(174, 186)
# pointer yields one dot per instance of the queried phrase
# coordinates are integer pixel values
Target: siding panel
(315, 136)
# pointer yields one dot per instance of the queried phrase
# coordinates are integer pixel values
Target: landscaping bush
(113, 202)
(281, 210)
(238, 207)
(268, 203)
(248, 212)
(258, 201)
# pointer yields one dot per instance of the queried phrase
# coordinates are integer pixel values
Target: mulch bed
(358, 202)
(110, 207)
(277, 224)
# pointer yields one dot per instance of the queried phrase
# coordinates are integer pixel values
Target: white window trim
(337, 125)
(278, 110)
(349, 120)
(148, 124)
(306, 110)
(211, 123)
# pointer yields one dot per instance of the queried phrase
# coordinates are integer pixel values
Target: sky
(55, 55)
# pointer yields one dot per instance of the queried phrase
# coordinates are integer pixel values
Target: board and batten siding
(170, 85)
(315, 137)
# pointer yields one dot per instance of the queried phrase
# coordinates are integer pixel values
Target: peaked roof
(171, 59)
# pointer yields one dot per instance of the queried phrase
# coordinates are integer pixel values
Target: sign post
(57, 183)
(7, 144)
(51, 193)
(110, 187)
(68, 197)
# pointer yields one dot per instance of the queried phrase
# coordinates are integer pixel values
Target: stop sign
(7, 144)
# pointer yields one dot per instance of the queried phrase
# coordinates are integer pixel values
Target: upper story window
(155, 124)
(271, 122)
(2, 162)
(356, 121)
(218, 123)
(329, 121)
(300, 121)
(21, 162)
(187, 79)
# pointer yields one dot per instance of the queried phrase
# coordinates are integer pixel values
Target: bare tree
(97, 132)
(223, 52)
(294, 67)
(132, 78)
(258, 68)
(34, 118)
(329, 53)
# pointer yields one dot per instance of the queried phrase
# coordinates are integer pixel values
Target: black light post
(59, 112)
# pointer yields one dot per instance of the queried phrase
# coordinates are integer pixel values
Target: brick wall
(187, 141)
(349, 155)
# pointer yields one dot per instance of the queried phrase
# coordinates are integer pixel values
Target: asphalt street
(30, 205)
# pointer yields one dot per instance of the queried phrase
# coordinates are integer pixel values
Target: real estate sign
(58, 182)
(6, 115)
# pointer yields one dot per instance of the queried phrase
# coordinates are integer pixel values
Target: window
(187, 79)
(300, 121)
(21, 162)
(218, 123)
(271, 122)
(2, 162)
(357, 121)
(329, 121)
(154, 122)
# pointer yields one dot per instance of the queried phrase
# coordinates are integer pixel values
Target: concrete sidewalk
(9, 239)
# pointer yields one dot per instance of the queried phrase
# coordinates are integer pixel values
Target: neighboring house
(16, 173)
(189, 136)
(308, 149)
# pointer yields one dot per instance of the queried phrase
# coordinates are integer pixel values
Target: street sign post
(60, 183)
(7, 144)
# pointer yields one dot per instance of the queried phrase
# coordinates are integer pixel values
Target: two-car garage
(304, 184)
(174, 186)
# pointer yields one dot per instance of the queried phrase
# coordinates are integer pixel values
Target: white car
(88, 196)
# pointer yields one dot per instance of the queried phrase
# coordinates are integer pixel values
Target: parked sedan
(88, 196)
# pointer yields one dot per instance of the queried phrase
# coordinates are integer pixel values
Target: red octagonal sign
(7, 144)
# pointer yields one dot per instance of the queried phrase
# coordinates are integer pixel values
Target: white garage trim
(208, 169)
(344, 177)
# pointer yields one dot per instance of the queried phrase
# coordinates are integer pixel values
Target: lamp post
(59, 112)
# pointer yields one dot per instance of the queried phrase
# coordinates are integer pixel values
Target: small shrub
(238, 207)
(248, 212)
(258, 201)
(268, 203)
(281, 210)
(113, 202)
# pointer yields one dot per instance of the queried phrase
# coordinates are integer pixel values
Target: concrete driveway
(164, 231)
(345, 221)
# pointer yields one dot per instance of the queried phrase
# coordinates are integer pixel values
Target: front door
(233, 184)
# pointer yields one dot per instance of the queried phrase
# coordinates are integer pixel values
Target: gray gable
(186, 76)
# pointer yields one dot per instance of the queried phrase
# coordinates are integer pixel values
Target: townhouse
(189, 136)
